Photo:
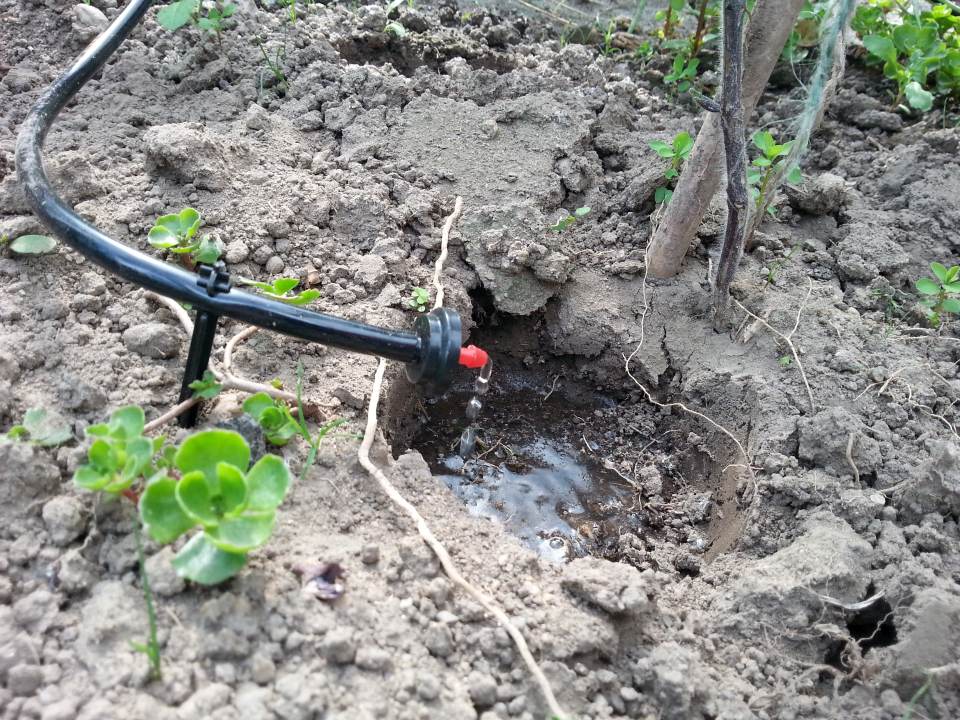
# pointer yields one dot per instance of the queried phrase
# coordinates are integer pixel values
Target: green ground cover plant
(941, 293)
(177, 233)
(676, 151)
(282, 289)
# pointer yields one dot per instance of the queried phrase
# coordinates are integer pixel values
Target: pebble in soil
(535, 468)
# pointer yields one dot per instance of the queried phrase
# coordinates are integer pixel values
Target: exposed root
(425, 532)
(224, 377)
(629, 358)
(856, 470)
(441, 552)
(787, 339)
(444, 241)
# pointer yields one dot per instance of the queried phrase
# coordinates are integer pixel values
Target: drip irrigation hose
(430, 351)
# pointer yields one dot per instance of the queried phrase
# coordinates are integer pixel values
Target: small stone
(373, 658)
(66, 519)
(344, 297)
(275, 265)
(482, 689)
(237, 252)
(262, 668)
(23, 680)
(370, 555)
(154, 340)
(36, 611)
(339, 646)
(65, 709)
(428, 687)
(92, 283)
(9, 368)
(439, 640)
(77, 574)
(88, 22)
(371, 271)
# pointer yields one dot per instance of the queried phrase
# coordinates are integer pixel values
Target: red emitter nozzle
(473, 357)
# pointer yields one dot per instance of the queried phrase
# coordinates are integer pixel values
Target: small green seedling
(395, 27)
(568, 220)
(682, 73)
(278, 423)
(119, 455)
(178, 234)
(765, 166)
(282, 290)
(291, 6)
(206, 387)
(676, 152)
(274, 67)
(235, 506)
(28, 244)
(419, 299)
(180, 13)
(785, 361)
(941, 293)
(41, 428)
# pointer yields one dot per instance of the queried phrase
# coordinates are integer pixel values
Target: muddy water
(537, 467)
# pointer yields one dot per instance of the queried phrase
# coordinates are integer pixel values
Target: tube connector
(473, 357)
(440, 337)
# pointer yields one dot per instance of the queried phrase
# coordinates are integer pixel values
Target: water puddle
(537, 466)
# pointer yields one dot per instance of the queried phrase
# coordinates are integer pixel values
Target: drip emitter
(430, 350)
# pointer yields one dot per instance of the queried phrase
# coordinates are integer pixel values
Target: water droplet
(468, 441)
(473, 409)
(481, 385)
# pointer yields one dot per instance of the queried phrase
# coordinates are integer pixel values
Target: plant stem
(667, 28)
(701, 26)
(152, 648)
(735, 149)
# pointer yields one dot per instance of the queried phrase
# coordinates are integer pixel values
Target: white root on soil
(446, 562)
(226, 378)
(787, 338)
(629, 358)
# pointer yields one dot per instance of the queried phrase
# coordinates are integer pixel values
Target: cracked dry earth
(742, 601)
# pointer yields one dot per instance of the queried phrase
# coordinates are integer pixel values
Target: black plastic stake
(201, 343)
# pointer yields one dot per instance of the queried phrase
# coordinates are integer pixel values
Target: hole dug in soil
(569, 468)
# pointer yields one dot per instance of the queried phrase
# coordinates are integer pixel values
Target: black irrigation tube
(430, 350)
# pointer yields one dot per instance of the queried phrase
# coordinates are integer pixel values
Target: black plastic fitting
(429, 357)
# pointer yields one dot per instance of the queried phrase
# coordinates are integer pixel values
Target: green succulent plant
(41, 428)
(234, 505)
(119, 454)
(275, 418)
(941, 293)
(282, 289)
(177, 233)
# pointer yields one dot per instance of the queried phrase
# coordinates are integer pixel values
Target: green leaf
(762, 162)
(102, 456)
(795, 176)
(952, 287)
(207, 387)
(677, 5)
(33, 245)
(882, 47)
(951, 305)
(90, 478)
(670, 174)
(395, 28)
(207, 251)
(581, 212)
(127, 422)
(763, 140)
(228, 10)
(177, 14)
(267, 483)
(917, 97)
(233, 487)
(662, 195)
(46, 429)
(205, 449)
(162, 238)
(163, 518)
(139, 451)
(244, 533)
(928, 286)
(682, 144)
(940, 271)
(203, 562)
(189, 221)
(266, 287)
(304, 298)
(257, 404)
(661, 148)
(954, 270)
(195, 495)
(282, 286)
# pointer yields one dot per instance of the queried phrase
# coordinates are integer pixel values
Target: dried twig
(444, 241)
(856, 470)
